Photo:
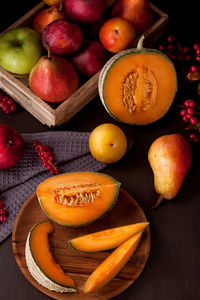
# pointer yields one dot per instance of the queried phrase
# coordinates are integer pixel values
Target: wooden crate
(18, 88)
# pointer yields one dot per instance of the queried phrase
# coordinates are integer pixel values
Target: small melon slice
(112, 265)
(40, 261)
(106, 239)
(77, 198)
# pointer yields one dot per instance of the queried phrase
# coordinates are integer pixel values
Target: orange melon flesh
(156, 75)
(106, 239)
(72, 185)
(40, 250)
(112, 265)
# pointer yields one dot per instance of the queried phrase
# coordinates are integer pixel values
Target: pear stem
(60, 7)
(140, 42)
(160, 198)
(48, 52)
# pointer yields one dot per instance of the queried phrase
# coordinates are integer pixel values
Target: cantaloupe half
(41, 263)
(77, 198)
(106, 239)
(112, 265)
(137, 86)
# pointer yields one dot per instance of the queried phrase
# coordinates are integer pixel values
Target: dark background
(173, 269)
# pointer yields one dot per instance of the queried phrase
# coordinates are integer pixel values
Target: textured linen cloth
(71, 152)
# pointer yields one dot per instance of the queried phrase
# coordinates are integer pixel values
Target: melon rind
(39, 276)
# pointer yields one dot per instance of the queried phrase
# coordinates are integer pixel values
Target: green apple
(20, 50)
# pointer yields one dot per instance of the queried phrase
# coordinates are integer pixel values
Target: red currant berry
(47, 148)
(196, 47)
(173, 56)
(2, 211)
(188, 116)
(185, 119)
(198, 57)
(9, 101)
(194, 68)
(161, 47)
(188, 57)
(183, 112)
(193, 120)
(190, 111)
(193, 137)
(1, 204)
(192, 103)
(198, 51)
(2, 218)
(187, 103)
(13, 107)
(171, 39)
(171, 48)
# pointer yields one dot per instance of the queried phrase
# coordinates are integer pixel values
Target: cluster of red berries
(188, 111)
(46, 155)
(2, 212)
(175, 51)
(7, 104)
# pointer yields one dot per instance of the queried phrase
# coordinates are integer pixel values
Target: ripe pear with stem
(170, 157)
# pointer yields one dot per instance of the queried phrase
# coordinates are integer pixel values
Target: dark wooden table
(173, 269)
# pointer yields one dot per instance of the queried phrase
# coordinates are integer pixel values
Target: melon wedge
(106, 239)
(77, 198)
(112, 265)
(40, 261)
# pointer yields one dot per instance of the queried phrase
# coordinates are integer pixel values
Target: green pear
(170, 157)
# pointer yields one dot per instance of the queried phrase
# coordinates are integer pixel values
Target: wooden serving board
(18, 88)
(80, 265)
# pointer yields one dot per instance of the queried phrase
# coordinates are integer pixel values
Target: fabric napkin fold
(71, 152)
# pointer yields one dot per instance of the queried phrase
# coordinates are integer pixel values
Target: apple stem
(160, 198)
(10, 142)
(140, 42)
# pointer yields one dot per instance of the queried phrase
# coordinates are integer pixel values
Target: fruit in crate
(170, 157)
(137, 12)
(58, 76)
(77, 198)
(106, 239)
(62, 37)
(112, 265)
(107, 143)
(20, 50)
(134, 85)
(53, 2)
(83, 11)
(41, 263)
(117, 34)
(11, 146)
(90, 58)
(47, 16)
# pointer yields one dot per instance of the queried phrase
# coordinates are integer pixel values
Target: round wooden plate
(80, 265)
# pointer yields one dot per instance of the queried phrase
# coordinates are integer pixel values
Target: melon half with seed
(137, 86)
(77, 198)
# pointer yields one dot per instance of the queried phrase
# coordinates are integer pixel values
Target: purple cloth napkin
(71, 151)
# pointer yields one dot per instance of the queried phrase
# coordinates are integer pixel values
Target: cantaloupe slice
(112, 265)
(40, 261)
(106, 239)
(77, 198)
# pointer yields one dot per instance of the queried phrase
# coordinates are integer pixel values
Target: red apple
(90, 58)
(11, 146)
(84, 11)
(53, 79)
(47, 16)
(62, 37)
